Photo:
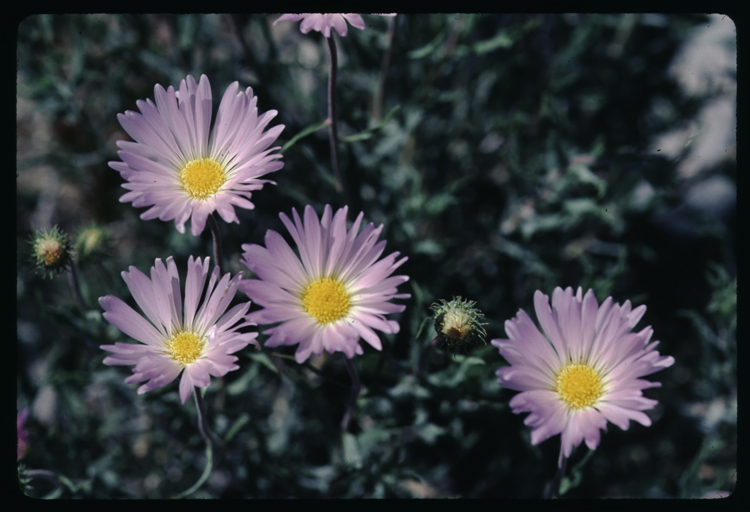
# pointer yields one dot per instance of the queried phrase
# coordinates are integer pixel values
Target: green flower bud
(52, 251)
(458, 323)
(92, 243)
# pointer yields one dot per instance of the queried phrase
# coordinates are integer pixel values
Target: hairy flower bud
(458, 323)
(52, 251)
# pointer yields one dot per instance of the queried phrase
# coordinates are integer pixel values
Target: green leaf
(304, 133)
(367, 133)
(264, 360)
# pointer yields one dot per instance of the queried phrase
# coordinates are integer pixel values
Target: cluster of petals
(176, 130)
(324, 22)
(327, 250)
(579, 331)
(208, 320)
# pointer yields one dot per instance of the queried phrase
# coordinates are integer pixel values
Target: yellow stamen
(202, 178)
(579, 386)
(326, 300)
(185, 347)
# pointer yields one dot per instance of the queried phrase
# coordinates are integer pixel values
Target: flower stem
(554, 487)
(425, 356)
(333, 133)
(217, 240)
(356, 388)
(76, 286)
(206, 433)
(377, 106)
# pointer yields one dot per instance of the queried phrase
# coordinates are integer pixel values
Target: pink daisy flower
(195, 341)
(335, 292)
(323, 22)
(182, 168)
(582, 370)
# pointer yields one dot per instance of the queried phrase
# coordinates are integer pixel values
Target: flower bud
(458, 323)
(52, 251)
(92, 243)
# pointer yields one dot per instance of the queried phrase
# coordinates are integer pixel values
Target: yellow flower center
(202, 178)
(326, 300)
(185, 347)
(579, 386)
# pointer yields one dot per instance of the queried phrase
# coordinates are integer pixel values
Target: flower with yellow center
(581, 370)
(331, 295)
(192, 337)
(182, 168)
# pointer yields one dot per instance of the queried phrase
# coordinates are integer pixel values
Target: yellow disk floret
(185, 347)
(202, 178)
(579, 386)
(326, 300)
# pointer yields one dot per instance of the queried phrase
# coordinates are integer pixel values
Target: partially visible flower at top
(22, 434)
(323, 22)
(182, 168)
(196, 342)
(583, 371)
(93, 242)
(333, 293)
(458, 323)
(52, 251)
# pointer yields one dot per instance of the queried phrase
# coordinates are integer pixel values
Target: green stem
(76, 286)
(206, 433)
(380, 92)
(356, 388)
(332, 117)
(554, 487)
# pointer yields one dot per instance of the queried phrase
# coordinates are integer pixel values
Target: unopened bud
(52, 251)
(92, 243)
(458, 323)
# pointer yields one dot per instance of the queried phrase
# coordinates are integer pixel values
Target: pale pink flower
(323, 22)
(182, 168)
(195, 341)
(333, 293)
(582, 370)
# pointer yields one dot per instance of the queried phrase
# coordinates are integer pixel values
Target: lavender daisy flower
(323, 22)
(182, 168)
(195, 341)
(582, 370)
(335, 292)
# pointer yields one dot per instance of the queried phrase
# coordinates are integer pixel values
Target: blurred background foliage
(507, 153)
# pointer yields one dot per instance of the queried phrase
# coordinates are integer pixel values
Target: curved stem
(203, 477)
(217, 240)
(333, 133)
(206, 433)
(356, 388)
(554, 487)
